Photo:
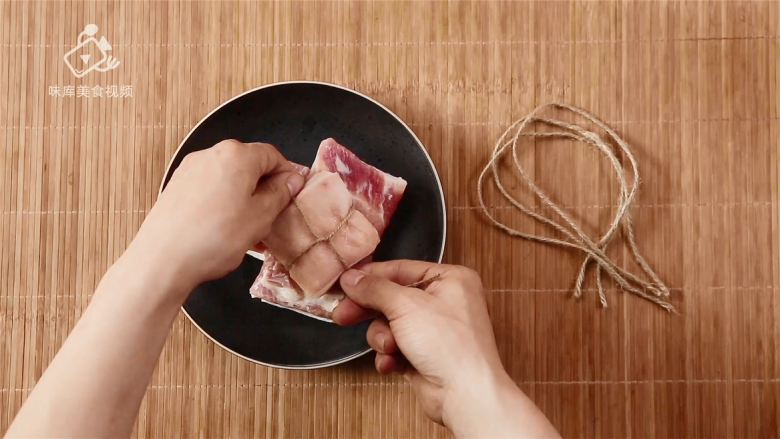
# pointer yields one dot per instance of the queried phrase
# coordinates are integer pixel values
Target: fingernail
(380, 341)
(352, 277)
(295, 184)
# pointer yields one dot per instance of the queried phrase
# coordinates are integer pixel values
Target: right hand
(440, 339)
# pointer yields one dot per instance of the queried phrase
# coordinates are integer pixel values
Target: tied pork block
(344, 199)
(320, 235)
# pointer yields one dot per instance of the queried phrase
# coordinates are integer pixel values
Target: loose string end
(602, 296)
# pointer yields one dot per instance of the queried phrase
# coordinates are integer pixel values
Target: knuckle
(266, 147)
(228, 144)
(228, 149)
(397, 268)
(263, 158)
(187, 160)
(191, 162)
(195, 155)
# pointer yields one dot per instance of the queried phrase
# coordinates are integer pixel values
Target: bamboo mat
(693, 87)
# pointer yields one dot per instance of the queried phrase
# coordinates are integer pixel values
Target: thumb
(271, 197)
(275, 192)
(376, 293)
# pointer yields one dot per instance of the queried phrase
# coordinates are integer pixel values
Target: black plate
(295, 117)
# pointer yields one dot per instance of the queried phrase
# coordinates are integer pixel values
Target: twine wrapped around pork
(654, 290)
(322, 239)
(422, 284)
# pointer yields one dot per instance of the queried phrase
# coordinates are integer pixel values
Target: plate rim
(326, 84)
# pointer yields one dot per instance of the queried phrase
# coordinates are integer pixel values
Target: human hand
(443, 332)
(218, 204)
(441, 339)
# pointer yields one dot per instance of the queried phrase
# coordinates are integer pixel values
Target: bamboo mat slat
(692, 86)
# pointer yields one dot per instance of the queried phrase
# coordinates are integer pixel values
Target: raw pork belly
(334, 223)
(375, 193)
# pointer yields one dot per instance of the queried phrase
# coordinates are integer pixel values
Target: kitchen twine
(422, 284)
(654, 290)
(322, 239)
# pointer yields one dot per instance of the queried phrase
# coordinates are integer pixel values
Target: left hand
(218, 204)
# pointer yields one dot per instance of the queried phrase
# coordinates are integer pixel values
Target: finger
(275, 193)
(380, 337)
(376, 293)
(405, 272)
(257, 158)
(386, 364)
(349, 313)
(267, 159)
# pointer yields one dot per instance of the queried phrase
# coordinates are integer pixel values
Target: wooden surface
(693, 87)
